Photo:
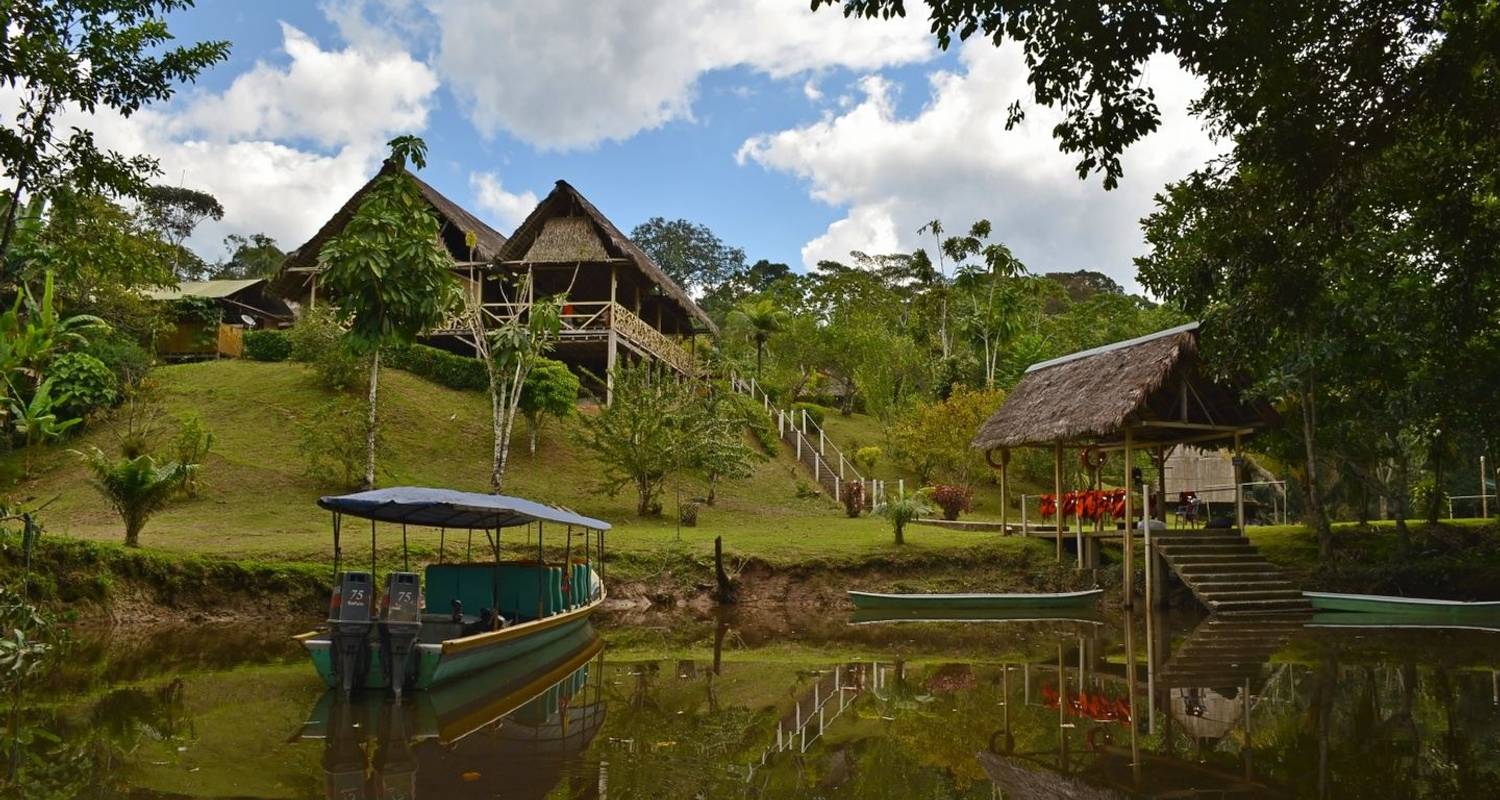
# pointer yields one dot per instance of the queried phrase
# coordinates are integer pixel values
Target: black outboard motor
(349, 628)
(395, 762)
(401, 628)
(344, 763)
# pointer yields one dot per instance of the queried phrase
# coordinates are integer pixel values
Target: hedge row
(439, 366)
(268, 345)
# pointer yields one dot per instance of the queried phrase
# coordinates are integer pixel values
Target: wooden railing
(588, 320)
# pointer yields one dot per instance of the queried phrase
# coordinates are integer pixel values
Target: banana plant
(36, 420)
(32, 330)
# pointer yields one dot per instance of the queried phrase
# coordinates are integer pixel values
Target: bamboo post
(1129, 523)
(1239, 485)
(1004, 497)
(1484, 498)
(1057, 496)
(1024, 530)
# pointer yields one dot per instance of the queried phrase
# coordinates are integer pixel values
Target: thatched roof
(1094, 395)
(554, 241)
(454, 219)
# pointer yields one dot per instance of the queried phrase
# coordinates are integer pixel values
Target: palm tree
(759, 319)
(902, 510)
(136, 487)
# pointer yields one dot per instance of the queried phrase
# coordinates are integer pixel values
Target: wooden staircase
(1228, 651)
(1227, 574)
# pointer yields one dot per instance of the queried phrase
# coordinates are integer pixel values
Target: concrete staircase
(1227, 574)
(1227, 651)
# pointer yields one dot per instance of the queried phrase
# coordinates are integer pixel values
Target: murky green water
(758, 706)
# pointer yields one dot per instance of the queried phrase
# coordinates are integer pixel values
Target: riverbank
(102, 583)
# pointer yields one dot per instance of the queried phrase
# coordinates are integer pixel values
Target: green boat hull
(974, 601)
(1404, 607)
(434, 667)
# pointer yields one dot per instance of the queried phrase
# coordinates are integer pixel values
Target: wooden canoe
(1403, 606)
(975, 600)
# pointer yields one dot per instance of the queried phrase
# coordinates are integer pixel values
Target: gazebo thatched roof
(455, 220)
(1151, 385)
(563, 202)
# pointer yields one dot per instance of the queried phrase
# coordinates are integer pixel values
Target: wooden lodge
(242, 304)
(618, 303)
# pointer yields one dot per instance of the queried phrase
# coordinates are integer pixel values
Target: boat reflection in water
(511, 729)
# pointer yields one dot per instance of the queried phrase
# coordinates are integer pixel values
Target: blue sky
(793, 136)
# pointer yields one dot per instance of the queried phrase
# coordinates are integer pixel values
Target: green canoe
(975, 600)
(1404, 606)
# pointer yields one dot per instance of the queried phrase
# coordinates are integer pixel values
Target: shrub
(815, 412)
(865, 458)
(903, 510)
(551, 389)
(319, 340)
(439, 366)
(268, 345)
(332, 444)
(83, 382)
(759, 423)
(123, 356)
(853, 496)
(192, 444)
(954, 500)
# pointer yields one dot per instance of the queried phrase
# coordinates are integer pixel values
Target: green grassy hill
(259, 503)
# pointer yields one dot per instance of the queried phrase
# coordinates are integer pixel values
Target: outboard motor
(401, 627)
(349, 628)
(395, 762)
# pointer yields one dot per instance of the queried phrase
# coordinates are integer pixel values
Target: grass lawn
(258, 503)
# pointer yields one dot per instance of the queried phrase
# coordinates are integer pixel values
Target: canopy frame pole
(469, 551)
(568, 570)
(372, 551)
(541, 571)
(1057, 512)
(495, 574)
(442, 539)
(405, 556)
(337, 550)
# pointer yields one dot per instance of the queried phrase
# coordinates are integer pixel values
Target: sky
(794, 135)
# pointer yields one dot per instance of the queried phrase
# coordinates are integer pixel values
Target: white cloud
(954, 160)
(330, 97)
(508, 208)
(562, 77)
(811, 91)
(234, 144)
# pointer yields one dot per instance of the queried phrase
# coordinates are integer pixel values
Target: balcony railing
(588, 321)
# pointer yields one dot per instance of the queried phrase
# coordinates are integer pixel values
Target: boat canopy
(447, 508)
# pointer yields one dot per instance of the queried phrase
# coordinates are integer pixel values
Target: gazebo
(1150, 393)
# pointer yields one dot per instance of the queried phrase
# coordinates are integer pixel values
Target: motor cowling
(401, 628)
(349, 620)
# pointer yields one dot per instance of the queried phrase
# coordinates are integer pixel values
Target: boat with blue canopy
(455, 619)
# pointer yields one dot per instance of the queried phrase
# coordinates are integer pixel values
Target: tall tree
(758, 320)
(176, 211)
(253, 256)
(71, 53)
(389, 269)
(691, 253)
(510, 348)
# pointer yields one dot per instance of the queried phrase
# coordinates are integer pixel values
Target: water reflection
(512, 729)
(759, 705)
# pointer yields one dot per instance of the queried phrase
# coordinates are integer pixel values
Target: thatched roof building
(1153, 386)
(567, 229)
(302, 263)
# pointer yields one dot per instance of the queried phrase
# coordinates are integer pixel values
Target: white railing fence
(812, 446)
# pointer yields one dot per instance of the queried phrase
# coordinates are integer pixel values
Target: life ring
(1091, 457)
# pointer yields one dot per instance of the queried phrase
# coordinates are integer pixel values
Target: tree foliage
(550, 390)
(658, 428)
(112, 54)
(692, 254)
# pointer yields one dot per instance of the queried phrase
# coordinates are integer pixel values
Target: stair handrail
(801, 428)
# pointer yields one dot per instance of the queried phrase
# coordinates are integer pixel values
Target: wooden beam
(1192, 426)
(1129, 525)
(1057, 505)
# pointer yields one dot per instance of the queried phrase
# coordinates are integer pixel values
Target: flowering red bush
(953, 499)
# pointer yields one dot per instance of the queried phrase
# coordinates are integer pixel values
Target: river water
(757, 705)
